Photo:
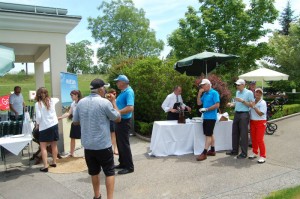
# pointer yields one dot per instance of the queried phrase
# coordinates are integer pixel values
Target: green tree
(150, 88)
(286, 18)
(123, 31)
(225, 26)
(286, 51)
(79, 57)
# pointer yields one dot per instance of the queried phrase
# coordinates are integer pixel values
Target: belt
(242, 111)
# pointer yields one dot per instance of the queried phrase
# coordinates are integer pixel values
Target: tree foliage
(286, 18)
(152, 80)
(225, 26)
(286, 51)
(123, 31)
(79, 57)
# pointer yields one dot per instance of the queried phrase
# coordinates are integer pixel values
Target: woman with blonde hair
(47, 123)
(75, 132)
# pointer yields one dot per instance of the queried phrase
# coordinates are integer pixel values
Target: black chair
(1, 148)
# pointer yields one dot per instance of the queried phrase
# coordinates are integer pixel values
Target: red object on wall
(4, 103)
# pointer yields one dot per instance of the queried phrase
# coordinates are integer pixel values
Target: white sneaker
(261, 160)
(252, 156)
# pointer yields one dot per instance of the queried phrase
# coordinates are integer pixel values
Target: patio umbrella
(264, 74)
(7, 58)
(201, 63)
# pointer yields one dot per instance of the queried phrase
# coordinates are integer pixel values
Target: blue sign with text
(68, 82)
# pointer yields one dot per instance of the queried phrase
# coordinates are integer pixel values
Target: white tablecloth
(15, 144)
(171, 138)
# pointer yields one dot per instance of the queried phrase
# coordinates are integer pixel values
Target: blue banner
(68, 82)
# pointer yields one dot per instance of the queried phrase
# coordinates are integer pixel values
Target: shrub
(152, 80)
(287, 110)
(144, 128)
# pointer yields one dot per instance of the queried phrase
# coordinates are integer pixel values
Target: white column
(39, 74)
(58, 63)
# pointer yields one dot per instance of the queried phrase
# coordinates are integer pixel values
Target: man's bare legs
(110, 185)
(209, 141)
(96, 185)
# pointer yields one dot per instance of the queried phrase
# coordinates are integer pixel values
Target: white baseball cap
(259, 89)
(205, 81)
(240, 81)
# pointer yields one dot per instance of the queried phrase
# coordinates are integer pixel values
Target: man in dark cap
(94, 113)
(125, 104)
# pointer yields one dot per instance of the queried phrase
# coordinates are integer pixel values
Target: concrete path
(181, 177)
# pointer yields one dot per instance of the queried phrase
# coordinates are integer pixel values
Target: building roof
(35, 10)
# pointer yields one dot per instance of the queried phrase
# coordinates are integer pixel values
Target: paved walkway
(174, 176)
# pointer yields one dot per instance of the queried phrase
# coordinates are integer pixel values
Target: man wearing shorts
(210, 99)
(94, 113)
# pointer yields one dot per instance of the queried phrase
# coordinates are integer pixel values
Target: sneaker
(211, 153)
(201, 157)
(241, 156)
(252, 156)
(261, 160)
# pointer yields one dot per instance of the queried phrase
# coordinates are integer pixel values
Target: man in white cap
(243, 100)
(210, 99)
(125, 104)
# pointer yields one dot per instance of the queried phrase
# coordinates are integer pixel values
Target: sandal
(44, 169)
(98, 197)
(52, 165)
(70, 156)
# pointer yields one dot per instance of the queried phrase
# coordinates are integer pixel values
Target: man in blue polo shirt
(210, 99)
(243, 100)
(125, 104)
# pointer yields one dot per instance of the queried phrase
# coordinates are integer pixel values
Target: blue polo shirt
(125, 98)
(209, 99)
(246, 95)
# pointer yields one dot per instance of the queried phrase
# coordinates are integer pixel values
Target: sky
(163, 15)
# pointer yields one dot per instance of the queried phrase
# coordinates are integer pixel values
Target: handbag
(36, 134)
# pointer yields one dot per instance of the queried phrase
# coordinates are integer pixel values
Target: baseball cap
(259, 89)
(252, 82)
(122, 78)
(205, 81)
(97, 83)
(240, 81)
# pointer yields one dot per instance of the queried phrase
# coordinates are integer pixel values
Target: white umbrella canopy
(7, 58)
(264, 74)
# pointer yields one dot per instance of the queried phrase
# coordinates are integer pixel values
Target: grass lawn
(27, 83)
(290, 193)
